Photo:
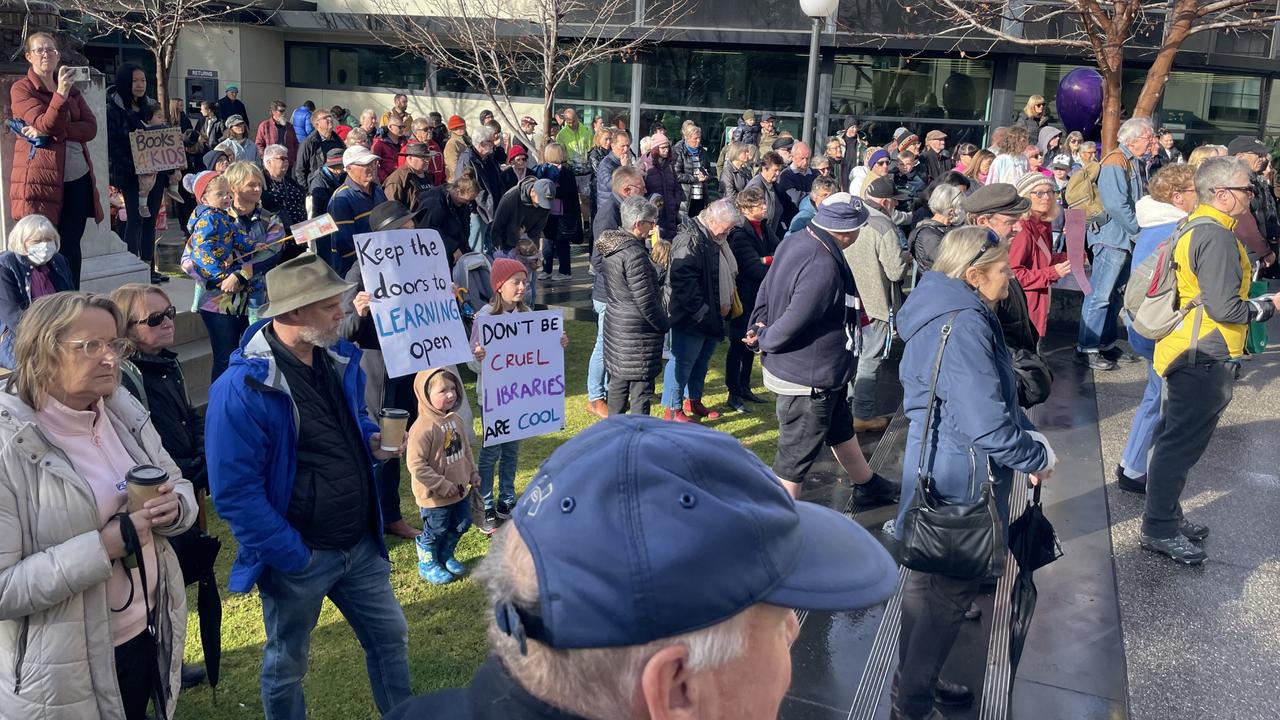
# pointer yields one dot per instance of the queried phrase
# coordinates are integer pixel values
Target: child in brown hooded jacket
(443, 471)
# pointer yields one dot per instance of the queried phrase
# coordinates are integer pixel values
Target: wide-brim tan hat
(299, 282)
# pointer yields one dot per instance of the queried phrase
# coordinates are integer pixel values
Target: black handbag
(1035, 379)
(943, 537)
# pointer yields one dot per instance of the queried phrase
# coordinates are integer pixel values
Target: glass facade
(608, 83)
(693, 77)
(319, 65)
(1043, 79)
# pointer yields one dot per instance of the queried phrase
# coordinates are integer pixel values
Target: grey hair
(636, 209)
(483, 134)
(720, 212)
(819, 161)
(1218, 172)
(689, 130)
(595, 683)
(1089, 145)
(32, 227)
(275, 151)
(369, 111)
(945, 200)
(1132, 128)
(960, 246)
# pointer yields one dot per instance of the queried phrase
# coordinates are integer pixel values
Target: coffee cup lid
(393, 413)
(146, 475)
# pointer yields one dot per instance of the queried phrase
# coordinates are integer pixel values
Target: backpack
(1151, 298)
(1082, 188)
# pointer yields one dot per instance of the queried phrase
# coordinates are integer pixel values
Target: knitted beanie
(503, 269)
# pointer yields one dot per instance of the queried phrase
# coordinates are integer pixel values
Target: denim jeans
(686, 372)
(358, 581)
(479, 237)
(864, 382)
(448, 522)
(224, 337)
(506, 456)
(1101, 309)
(597, 381)
(1136, 450)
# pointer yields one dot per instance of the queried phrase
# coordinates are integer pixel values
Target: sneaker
(455, 568)
(1177, 547)
(1128, 484)
(490, 524)
(1193, 531)
(545, 276)
(695, 407)
(504, 509)
(561, 277)
(877, 491)
(738, 404)
(1095, 361)
(1117, 354)
(435, 573)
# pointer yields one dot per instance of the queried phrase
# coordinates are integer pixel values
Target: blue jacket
(251, 429)
(301, 120)
(350, 207)
(15, 295)
(802, 303)
(978, 420)
(1119, 192)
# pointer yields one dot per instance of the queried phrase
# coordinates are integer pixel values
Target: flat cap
(996, 198)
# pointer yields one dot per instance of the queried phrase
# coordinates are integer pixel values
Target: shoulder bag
(942, 537)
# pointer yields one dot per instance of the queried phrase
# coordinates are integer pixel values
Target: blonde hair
(975, 166)
(1031, 104)
(36, 348)
(129, 297)
(238, 174)
(553, 153)
(356, 136)
(32, 227)
(218, 182)
(595, 683)
(961, 245)
(1200, 154)
(26, 44)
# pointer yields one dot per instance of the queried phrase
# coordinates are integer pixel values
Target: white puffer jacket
(57, 661)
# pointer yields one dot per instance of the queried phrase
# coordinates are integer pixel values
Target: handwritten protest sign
(157, 150)
(414, 310)
(522, 375)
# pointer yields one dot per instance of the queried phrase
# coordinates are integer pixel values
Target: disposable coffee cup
(393, 422)
(143, 482)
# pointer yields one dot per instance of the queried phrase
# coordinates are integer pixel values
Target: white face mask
(41, 253)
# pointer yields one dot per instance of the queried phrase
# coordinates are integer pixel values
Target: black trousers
(77, 208)
(136, 673)
(1195, 397)
(933, 608)
(738, 359)
(397, 393)
(634, 396)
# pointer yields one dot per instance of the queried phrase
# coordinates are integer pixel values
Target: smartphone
(79, 74)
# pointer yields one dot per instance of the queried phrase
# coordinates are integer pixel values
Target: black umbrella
(1034, 544)
(197, 552)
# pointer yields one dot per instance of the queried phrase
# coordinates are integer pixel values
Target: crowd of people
(820, 265)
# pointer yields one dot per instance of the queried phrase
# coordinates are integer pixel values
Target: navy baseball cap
(642, 529)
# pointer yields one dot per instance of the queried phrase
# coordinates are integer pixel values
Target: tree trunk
(162, 86)
(1110, 64)
(1158, 75)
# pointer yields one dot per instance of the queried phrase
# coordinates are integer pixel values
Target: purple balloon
(1079, 100)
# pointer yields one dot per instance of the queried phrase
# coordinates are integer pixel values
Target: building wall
(251, 58)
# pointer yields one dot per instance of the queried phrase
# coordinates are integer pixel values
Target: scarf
(41, 283)
(728, 273)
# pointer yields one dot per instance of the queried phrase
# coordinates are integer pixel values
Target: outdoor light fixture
(817, 10)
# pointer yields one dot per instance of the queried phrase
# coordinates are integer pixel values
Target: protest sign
(522, 375)
(412, 303)
(157, 150)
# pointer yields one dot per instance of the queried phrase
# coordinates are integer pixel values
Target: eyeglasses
(1041, 193)
(156, 318)
(992, 241)
(1245, 189)
(93, 349)
(44, 51)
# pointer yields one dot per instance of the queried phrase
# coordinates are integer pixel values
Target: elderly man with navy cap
(806, 327)
(651, 572)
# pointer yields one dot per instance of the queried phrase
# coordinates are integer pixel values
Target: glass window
(306, 65)
(740, 14)
(1228, 104)
(1043, 79)
(351, 66)
(726, 79)
(899, 86)
(450, 81)
(602, 82)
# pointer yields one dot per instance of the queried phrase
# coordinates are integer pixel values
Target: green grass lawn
(446, 624)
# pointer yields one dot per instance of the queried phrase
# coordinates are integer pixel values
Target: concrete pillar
(107, 264)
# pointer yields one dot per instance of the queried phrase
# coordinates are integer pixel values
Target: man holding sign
(521, 384)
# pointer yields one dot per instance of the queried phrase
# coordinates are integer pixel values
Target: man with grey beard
(291, 452)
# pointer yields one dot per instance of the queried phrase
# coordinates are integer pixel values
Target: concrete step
(196, 358)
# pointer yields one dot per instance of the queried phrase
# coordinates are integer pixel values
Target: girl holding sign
(510, 279)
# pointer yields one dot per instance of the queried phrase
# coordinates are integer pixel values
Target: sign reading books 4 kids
(414, 309)
(522, 375)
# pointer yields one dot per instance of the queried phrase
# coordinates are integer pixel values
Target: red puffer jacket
(35, 186)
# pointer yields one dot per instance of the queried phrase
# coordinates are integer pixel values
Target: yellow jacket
(1211, 264)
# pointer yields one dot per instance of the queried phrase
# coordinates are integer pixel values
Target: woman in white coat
(82, 636)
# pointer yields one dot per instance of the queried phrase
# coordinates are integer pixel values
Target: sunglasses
(156, 318)
(992, 242)
(882, 162)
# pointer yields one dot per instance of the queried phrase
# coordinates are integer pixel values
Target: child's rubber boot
(429, 567)
(452, 564)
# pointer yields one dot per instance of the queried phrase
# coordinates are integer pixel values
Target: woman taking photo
(73, 619)
(129, 109)
(978, 433)
(29, 270)
(55, 181)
